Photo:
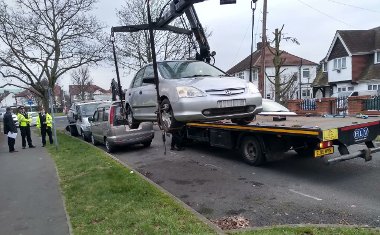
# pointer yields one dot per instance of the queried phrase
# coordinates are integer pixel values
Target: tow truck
(266, 138)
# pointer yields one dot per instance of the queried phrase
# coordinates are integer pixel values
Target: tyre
(147, 144)
(84, 137)
(109, 147)
(93, 141)
(167, 119)
(73, 130)
(132, 122)
(243, 121)
(251, 151)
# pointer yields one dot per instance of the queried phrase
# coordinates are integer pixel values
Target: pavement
(30, 196)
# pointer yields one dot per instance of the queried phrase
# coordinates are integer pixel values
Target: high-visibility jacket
(24, 119)
(48, 121)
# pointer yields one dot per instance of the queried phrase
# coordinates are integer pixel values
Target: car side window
(138, 78)
(148, 73)
(106, 114)
(95, 117)
(100, 114)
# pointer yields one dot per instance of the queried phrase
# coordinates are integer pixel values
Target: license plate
(322, 152)
(230, 103)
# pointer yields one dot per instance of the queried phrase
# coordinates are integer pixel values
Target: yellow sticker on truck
(330, 134)
(322, 152)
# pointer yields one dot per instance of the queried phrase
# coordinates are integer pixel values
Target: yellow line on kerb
(266, 129)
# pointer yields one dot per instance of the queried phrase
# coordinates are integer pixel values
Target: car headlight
(252, 89)
(188, 92)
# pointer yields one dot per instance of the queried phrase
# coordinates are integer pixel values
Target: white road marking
(305, 195)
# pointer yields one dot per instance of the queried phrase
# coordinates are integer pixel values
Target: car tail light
(112, 114)
(325, 144)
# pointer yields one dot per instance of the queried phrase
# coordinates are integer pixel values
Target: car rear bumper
(133, 137)
(191, 109)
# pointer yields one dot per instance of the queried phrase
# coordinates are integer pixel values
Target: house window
(340, 63)
(324, 67)
(240, 75)
(254, 75)
(373, 87)
(350, 88)
(306, 73)
(377, 57)
(306, 93)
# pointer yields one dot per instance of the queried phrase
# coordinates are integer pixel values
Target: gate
(339, 106)
(372, 104)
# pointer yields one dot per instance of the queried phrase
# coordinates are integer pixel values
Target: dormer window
(340, 63)
(324, 67)
(377, 57)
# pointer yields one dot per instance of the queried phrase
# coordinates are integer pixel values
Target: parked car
(77, 117)
(191, 91)
(2, 112)
(109, 127)
(272, 108)
(34, 116)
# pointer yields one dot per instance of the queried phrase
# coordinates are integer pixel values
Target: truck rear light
(112, 115)
(325, 144)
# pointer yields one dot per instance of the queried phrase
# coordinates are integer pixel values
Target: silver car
(109, 127)
(191, 91)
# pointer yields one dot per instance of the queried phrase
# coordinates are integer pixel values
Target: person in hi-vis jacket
(24, 121)
(45, 123)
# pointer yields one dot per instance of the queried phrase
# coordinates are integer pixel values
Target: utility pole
(264, 43)
(300, 81)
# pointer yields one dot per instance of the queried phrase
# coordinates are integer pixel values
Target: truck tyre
(73, 130)
(251, 151)
(167, 119)
(243, 121)
(132, 122)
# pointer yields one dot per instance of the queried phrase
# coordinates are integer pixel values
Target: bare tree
(45, 39)
(282, 84)
(135, 48)
(81, 78)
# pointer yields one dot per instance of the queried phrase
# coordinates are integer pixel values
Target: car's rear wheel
(243, 121)
(94, 141)
(132, 122)
(167, 119)
(73, 130)
(109, 147)
(84, 137)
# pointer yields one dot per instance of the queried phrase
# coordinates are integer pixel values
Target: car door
(134, 94)
(148, 96)
(95, 126)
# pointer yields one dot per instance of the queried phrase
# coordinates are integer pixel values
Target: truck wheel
(167, 119)
(243, 121)
(73, 130)
(251, 151)
(132, 122)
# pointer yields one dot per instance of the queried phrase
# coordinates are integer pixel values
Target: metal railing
(308, 104)
(372, 103)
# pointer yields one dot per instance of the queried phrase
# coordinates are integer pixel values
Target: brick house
(352, 63)
(91, 92)
(293, 66)
(23, 97)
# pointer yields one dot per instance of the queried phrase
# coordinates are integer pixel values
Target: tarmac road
(216, 183)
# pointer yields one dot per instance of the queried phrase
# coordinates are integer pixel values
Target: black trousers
(11, 144)
(25, 134)
(44, 130)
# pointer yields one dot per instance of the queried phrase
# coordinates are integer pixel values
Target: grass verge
(104, 197)
(311, 231)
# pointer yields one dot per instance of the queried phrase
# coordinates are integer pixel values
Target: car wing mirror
(149, 80)
(90, 119)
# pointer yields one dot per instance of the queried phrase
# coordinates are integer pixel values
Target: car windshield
(88, 109)
(271, 106)
(188, 69)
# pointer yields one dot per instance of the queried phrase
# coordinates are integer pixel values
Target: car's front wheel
(93, 141)
(167, 119)
(132, 122)
(109, 147)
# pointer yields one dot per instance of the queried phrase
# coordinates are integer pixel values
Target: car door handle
(140, 92)
(129, 94)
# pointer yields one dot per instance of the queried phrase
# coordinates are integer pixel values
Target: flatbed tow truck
(266, 139)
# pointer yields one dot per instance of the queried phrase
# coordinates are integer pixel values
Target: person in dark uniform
(24, 121)
(45, 123)
(9, 126)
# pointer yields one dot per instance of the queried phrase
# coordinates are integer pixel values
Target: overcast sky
(312, 22)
